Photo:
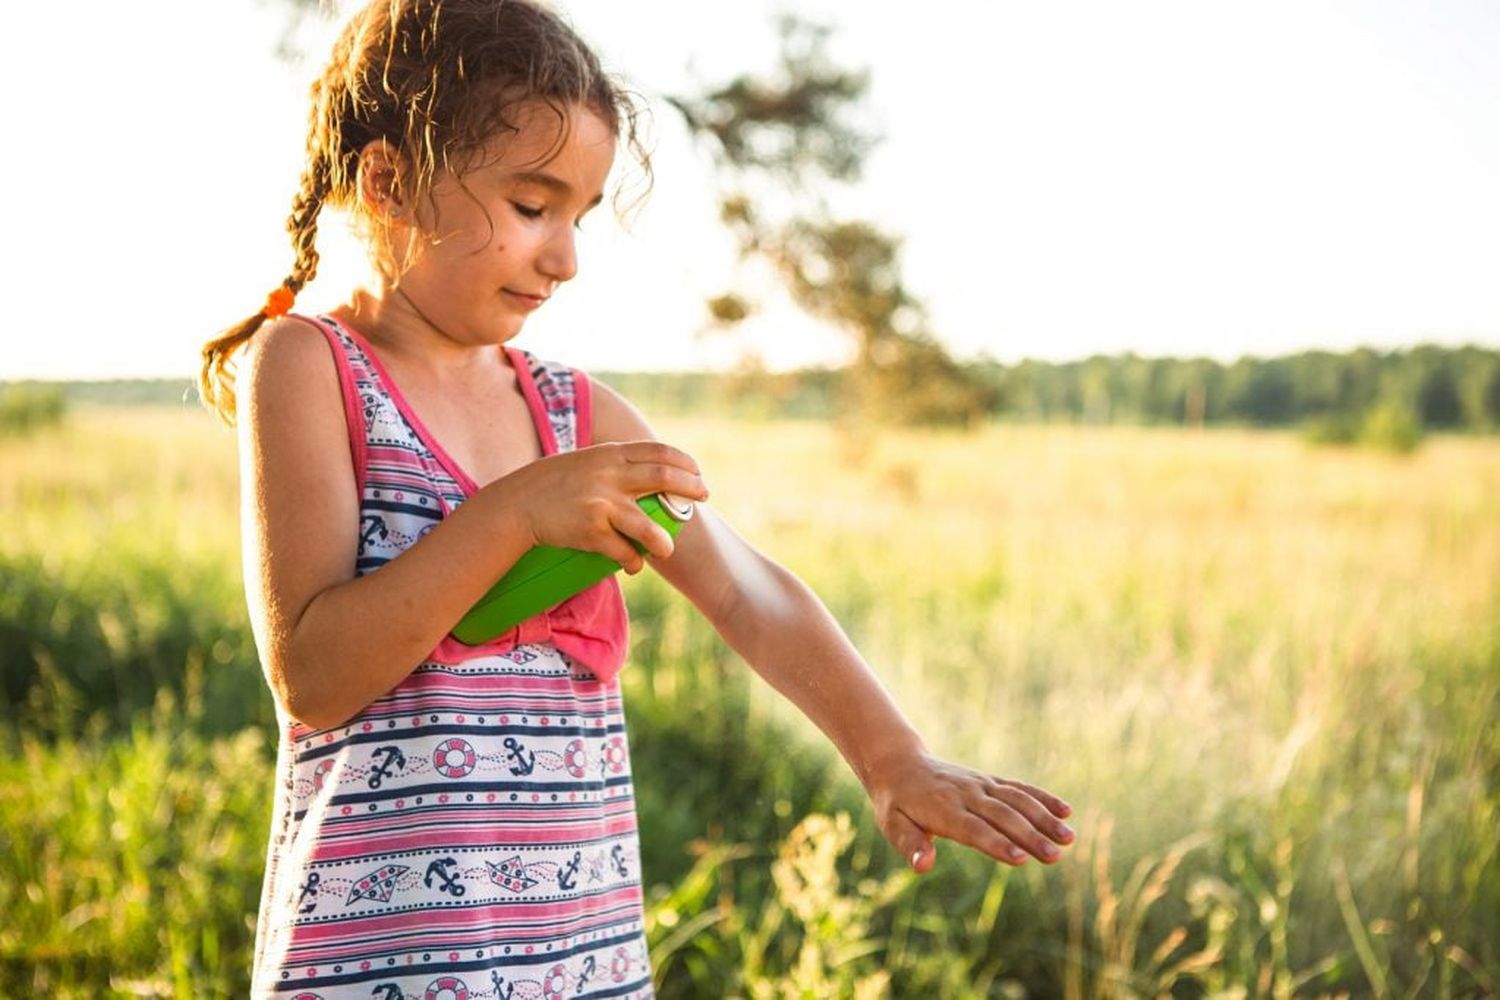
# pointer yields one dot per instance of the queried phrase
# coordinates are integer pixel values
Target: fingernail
(1067, 831)
(1049, 851)
(915, 857)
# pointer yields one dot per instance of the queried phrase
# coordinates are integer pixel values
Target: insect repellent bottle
(548, 575)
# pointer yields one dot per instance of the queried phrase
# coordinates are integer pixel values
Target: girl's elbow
(304, 702)
(313, 716)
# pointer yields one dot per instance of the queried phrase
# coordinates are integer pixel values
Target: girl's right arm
(331, 642)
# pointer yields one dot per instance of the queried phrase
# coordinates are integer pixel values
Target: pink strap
(354, 418)
(533, 395)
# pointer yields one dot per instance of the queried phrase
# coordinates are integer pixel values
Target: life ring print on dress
(555, 983)
(612, 754)
(575, 758)
(619, 965)
(454, 757)
(320, 775)
(447, 988)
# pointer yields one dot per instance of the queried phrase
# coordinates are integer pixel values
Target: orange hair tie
(279, 302)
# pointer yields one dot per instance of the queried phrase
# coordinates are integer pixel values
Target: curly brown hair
(436, 80)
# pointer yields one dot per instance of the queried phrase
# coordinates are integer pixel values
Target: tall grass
(1267, 675)
(134, 862)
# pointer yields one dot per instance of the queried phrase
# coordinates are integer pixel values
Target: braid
(436, 80)
(302, 224)
(216, 380)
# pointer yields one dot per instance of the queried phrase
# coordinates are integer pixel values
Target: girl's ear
(379, 180)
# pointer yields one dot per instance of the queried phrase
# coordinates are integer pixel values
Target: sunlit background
(1245, 617)
(1164, 178)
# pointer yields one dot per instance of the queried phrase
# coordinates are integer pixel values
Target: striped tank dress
(471, 835)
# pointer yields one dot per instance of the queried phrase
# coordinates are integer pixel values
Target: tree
(778, 143)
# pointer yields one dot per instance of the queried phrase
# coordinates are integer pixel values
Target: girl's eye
(527, 211)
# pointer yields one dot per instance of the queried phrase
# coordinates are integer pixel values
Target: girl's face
(499, 240)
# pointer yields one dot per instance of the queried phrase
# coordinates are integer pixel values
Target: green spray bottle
(548, 575)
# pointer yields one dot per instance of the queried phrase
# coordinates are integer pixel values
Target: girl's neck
(397, 327)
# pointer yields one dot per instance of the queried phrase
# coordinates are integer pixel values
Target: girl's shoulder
(282, 346)
(288, 362)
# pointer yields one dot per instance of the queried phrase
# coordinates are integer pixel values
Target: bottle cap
(678, 508)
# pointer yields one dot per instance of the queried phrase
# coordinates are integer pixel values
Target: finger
(658, 452)
(911, 842)
(1022, 799)
(1010, 823)
(980, 834)
(632, 524)
(644, 478)
(1055, 805)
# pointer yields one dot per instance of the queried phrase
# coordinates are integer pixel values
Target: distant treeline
(1442, 388)
(1436, 388)
(1433, 388)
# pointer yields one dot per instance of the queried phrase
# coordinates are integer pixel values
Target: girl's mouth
(524, 300)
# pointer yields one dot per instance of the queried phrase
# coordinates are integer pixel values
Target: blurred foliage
(77, 638)
(1437, 388)
(134, 860)
(779, 143)
(29, 406)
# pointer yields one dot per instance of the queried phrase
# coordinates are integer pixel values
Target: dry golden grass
(1266, 674)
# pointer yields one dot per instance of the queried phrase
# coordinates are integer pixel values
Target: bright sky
(1069, 178)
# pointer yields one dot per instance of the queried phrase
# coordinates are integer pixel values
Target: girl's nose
(559, 258)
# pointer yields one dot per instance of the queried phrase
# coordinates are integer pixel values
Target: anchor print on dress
(525, 761)
(503, 990)
(307, 899)
(450, 883)
(388, 758)
(567, 877)
(511, 874)
(372, 528)
(599, 863)
(388, 991)
(378, 885)
(589, 965)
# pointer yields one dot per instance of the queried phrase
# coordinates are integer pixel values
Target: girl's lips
(526, 301)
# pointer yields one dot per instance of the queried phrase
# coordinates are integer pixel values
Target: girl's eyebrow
(551, 181)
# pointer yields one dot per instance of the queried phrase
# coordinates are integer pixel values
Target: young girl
(455, 821)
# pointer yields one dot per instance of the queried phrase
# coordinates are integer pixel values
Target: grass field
(1266, 675)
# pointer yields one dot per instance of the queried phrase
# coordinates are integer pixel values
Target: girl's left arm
(771, 619)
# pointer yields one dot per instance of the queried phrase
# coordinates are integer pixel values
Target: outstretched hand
(917, 797)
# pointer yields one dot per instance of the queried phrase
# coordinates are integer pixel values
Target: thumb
(912, 842)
